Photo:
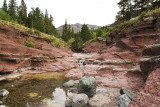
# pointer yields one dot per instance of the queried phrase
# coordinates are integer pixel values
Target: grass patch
(29, 44)
(42, 76)
(55, 41)
(151, 13)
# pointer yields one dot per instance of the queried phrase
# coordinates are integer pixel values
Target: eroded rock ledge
(149, 96)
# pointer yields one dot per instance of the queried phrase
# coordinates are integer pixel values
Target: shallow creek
(38, 90)
(35, 90)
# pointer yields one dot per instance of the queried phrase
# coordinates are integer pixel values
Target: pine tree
(65, 31)
(22, 13)
(30, 19)
(46, 22)
(53, 30)
(12, 9)
(85, 33)
(38, 20)
(4, 7)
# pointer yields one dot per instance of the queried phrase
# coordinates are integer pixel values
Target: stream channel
(37, 90)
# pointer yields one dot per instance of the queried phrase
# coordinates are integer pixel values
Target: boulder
(76, 82)
(129, 93)
(68, 103)
(99, 100)
(73, 90)
(68, 84)
(124, 101)
(87, 85)
(79, 100)
(1, 102)
(3, 93)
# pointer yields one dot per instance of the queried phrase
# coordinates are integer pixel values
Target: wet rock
(76, 82)
(1, 102)
(99, 100)
(69, 84)
(101, 90)
(87, 85)
(129, 93)
(68, 103)
(79, 100)
(3, 93)
(124, 101)
(73, 90)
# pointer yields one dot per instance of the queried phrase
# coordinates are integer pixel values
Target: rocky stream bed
(47, 89)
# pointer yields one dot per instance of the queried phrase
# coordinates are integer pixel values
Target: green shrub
(70, 41)
(124, 25)
(30, 31)
(37, 32)
(29, 44)
(4, 16)
(55, 42)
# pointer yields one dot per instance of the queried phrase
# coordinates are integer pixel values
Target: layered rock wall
(149, 96)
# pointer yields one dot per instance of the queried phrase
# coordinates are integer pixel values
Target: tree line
(132, 8)
(76, 40)
(34, 19)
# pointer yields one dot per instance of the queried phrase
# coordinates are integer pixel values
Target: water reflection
(59, 97)
(58, 100)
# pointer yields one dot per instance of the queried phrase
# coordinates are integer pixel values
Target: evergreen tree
(72, 32)
(77, 44)
(38, 20)
(69, 33)
(65, 32)
(22, 13)
(53, 30)
(99, 32)
(4, 7)
(12, 7)
(30, 19)
(85, 33)
(46, 21)
(125, 6)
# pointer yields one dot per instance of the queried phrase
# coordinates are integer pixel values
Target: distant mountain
(77, 27)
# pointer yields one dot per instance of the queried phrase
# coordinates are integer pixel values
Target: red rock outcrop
(149, 96)
(15, 57)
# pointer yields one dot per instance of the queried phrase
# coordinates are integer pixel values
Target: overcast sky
(95, 12)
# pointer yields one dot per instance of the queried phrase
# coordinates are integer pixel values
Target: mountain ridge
(77, 27)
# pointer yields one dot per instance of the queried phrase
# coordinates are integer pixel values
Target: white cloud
(96, 12)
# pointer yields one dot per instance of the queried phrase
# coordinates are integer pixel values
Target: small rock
(68, 103)
(79, 100)
(99, 100)
(124, 101)
(1, 102)
(87, 85)
(111, 94)
(73, 90)
(129, 93)
(101, 90)
(76, 81)
(69, 84)
(3, 93)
